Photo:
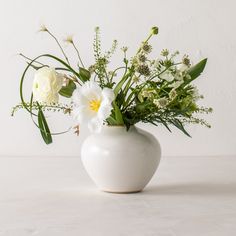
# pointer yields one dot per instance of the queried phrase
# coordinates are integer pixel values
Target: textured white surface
(54, 197)
(200, 28)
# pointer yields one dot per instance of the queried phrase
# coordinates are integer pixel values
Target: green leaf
(118, 115)
(111, 121)
(197, 69)
(67, 91)
(120, 84)
(44, 129)
(84, 74)
(35, 67)
(180, 126)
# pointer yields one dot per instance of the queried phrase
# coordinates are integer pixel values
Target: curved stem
(27, 58)
(113, 73)
(63, 52)
(77, 51)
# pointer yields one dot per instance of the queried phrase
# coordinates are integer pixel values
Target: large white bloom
(47, 83)
(93, 104)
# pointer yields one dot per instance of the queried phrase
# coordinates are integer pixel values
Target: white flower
(93, 105)
(167, 75)
(183, 67)
(47, 83)
(179, 75)
(161, 102)
(147, 93)
(176, 84)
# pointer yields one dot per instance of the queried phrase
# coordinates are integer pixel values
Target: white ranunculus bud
(47, 83)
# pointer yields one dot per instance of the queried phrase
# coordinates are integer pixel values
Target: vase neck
(110, 129)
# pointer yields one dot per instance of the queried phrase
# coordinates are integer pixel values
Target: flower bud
(154, 30)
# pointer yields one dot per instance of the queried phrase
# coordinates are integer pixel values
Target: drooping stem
(77, 51)
(62, 50)
(27, 58)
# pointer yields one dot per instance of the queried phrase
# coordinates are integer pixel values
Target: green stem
(145, 41)
(77, 51)
(22, 55)
(63, 52)
(113, 73)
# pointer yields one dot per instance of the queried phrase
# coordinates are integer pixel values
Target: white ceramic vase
(121, 161)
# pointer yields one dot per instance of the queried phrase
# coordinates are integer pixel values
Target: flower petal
(82, 114)
(104, 110)
(108, 94)
(95, 125)
(91, 90)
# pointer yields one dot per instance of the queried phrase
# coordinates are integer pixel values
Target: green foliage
(44, 129)
(67, 91)
(118, 115)
(196, 70)
(84, 74)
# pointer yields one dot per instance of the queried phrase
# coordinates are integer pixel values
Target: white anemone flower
(93, 105)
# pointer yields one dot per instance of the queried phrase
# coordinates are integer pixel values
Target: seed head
(147, 48)
(124, 49)
(143, 70)
(69, 39)
(43, 28)
(142, 58)
(186, 60)
(165, 52)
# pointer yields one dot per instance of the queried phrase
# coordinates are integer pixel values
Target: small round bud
(154, 30)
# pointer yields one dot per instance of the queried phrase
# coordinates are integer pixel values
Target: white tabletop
(55, 197)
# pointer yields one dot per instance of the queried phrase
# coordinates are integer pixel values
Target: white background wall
(201, 28)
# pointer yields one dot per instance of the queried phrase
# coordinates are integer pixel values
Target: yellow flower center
(94, 105)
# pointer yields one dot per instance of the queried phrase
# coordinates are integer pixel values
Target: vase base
(122, 192)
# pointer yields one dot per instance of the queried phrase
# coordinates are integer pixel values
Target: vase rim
(116, 127)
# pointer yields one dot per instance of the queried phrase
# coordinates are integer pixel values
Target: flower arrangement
(141, 89)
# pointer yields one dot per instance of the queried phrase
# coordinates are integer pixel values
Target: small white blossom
(176, 84)
(179, 75)
(167, 75)
(183, 67)
(161, 102)
(147, 93)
